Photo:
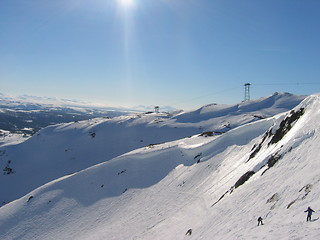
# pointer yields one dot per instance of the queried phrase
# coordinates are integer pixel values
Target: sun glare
(126, 3)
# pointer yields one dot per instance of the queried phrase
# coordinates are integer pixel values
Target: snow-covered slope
(217, 186)
(8, 138)
(64, 149)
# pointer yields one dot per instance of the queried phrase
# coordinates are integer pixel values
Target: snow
(7, 138)
(143, 191)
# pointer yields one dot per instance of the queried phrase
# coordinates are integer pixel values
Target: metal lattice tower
(247, 91)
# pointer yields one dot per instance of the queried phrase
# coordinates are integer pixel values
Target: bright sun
(126, 3)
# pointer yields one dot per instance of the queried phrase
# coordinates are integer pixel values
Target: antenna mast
(247, 91)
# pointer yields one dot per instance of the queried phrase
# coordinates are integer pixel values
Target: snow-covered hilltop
(241, 162)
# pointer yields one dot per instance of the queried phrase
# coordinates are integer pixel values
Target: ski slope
(64, 149)
(199, 182)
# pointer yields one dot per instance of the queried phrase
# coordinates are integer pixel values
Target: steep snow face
(217, 186)
(64, 149)
(285, 182)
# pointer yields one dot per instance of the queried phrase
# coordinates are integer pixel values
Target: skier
(309, 211)
(260, 221)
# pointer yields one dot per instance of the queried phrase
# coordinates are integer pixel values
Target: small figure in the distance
(309, 213)
(189, 232)
(260, 221)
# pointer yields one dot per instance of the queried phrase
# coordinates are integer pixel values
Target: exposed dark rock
(273, 160)
(92, 134)
(121, 172)
(222, 196)
(245, 177)
(273, 198)
(206, 134)
(307, 189)
(151, 145)
(256, 148)
(286, 125)
(259, 117)
(8, 170)
(290, 204)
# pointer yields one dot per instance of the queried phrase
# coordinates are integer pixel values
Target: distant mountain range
(28, 114)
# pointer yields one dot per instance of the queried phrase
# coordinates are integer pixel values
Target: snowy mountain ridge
(63, 149)
(217, 185)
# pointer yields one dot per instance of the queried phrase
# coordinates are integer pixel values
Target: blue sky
(182, 53)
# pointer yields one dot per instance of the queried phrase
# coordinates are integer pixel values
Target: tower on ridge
(247, 91)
